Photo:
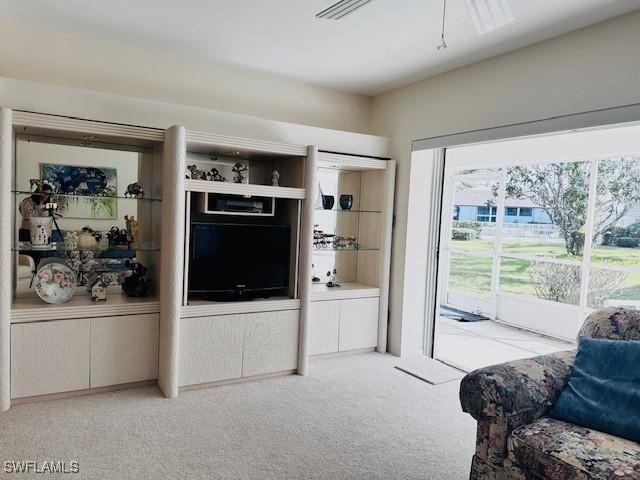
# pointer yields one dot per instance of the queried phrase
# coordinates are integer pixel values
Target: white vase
(40, 229)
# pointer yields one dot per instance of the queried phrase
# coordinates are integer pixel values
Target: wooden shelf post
(6, 282)
(171, 263)
(385, 257)
(306, 254)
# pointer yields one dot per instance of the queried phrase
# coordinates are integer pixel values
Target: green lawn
(472, 274)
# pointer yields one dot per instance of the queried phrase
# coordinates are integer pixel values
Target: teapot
(86, 239)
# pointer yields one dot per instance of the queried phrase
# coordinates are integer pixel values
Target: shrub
(627, 242)
(473, 225)
(633, 230)
(463, 234)
(561, 283)
(613, 234)
(602, 285)
(556, 282)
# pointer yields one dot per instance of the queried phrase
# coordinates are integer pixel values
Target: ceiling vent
(342, 9)
(489, 15)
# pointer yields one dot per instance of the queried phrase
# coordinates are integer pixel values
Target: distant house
(475, 206)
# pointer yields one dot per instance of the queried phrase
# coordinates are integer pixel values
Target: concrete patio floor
(471, 345)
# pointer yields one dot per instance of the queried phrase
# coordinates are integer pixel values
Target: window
(456, 213)
(486, 210)
(486, 214)
(526, 212)
(511, 212)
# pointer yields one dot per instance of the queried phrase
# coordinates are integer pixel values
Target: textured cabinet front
(324, 326)
(271, 342)
(49, 357)
(358, 323)
(124, 349)
(211, 348)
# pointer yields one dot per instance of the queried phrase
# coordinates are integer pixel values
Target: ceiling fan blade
(342, 9)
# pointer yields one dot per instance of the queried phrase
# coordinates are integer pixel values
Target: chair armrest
(514, 388)
(505, 396)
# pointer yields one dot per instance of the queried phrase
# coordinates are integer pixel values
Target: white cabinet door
(324, 326)
(211, 348)
(124, 349)
(358, 323)
(270, 342)
(49, 357)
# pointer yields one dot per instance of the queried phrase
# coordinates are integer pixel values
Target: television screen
(232, 260)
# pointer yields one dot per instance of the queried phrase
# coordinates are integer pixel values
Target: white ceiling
(387, 44)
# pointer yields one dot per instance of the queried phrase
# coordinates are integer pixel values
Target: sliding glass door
(470, 251)
(546, 234)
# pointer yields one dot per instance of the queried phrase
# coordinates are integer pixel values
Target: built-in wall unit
(352, 219)
(244, 242)
(81, 255)
(133, 255)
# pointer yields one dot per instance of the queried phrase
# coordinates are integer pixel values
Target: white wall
(116, 67)
(74, 102)
(593, 68)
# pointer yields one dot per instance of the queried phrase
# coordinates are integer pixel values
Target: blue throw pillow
(603, 392)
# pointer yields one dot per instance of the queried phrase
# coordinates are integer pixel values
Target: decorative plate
(55, 283)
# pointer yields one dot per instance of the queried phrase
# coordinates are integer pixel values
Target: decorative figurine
(213, 175)
(346, 202)
(321, 239)
(327, 201)
(275, 178)
(133, 229)
(135, 284)
(332, 283)
(195, 173)
(134, 190)
(35, 185)
(345, 242)
(99, 289)
(318, 203)
(86, 239)
(118, 237)
(41, 229)
(314, 278)
(238, 170)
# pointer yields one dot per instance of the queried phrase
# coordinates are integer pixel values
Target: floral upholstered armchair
(516, 441)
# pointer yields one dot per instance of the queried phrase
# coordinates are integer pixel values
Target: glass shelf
(69, 195)
(336, 210)
(113, 250)
(345, 249)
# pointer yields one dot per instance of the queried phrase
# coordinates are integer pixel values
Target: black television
(238, 261)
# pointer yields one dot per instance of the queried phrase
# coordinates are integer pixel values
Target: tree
(562, 190)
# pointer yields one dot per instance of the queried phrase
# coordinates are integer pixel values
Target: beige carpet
(354, 417)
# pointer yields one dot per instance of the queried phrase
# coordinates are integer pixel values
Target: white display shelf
(203, 308)
(33, 309)
(319, 291)
(231, 188)
(350, 162)
(245, 147)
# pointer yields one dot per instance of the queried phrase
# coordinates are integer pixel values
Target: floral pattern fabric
(554, 449)
(612, 323)
(510, 400)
